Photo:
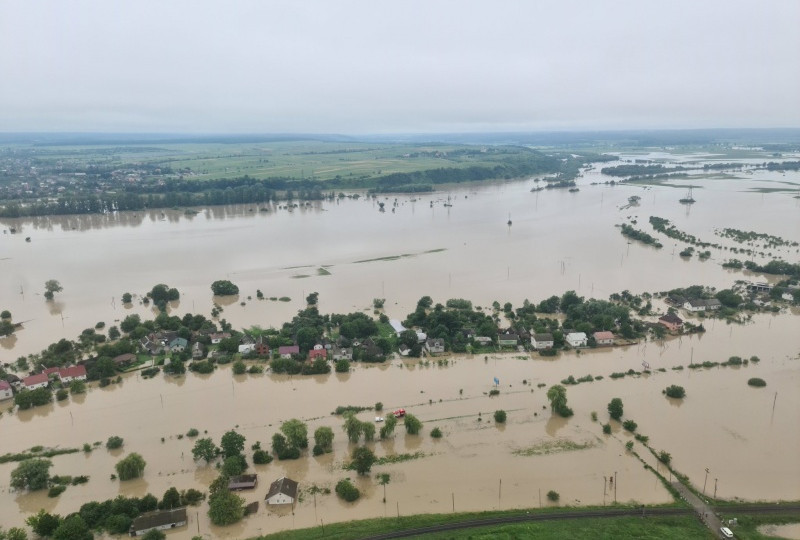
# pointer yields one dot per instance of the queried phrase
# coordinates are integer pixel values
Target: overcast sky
(404, 66)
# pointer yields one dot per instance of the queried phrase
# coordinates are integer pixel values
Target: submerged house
(542, 341)
(672, 322)
(159, 520)
(282, 491)
(577, 339)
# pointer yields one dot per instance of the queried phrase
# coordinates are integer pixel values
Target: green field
(617, 528)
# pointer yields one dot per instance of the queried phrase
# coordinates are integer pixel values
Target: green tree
(615, 408)
(205, 449)
(675, 391)
(312, 298)
(296, 433)
(170, 500)
(225, 508)
(342, 366)
(77, 387)
(232, 444)
(73, 528)
(388, 427)
(239, 368)
(323, 438)
(347, 491)
(31, 474)
(5, 314)
(127, 298)
(368, 429)
(412, 424)
(14, 533)
(114, 442)
(557, 395)
(113, 333)
(383, 479)
(234, 465)
(500, 416)
(553, 496)
(130, 467)
(630, 425)
(25, 399)
(352, 426)
(363, 459)
(43, 523)
(224, 287)
(154, 534)
(51, 286)
(664, 457)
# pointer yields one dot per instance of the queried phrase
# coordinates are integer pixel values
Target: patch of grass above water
(322, 271)
(553, 447)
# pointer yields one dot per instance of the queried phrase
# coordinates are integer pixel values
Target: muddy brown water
(749, 446)
(722, 424)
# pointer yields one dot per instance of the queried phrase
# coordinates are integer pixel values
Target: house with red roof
(72, 373)
(604, 338)
(40, 380)
(315, 353)
(5, 391)
(286, 351)
(672, 322)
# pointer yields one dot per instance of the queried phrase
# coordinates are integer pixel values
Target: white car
(379, 419)
(726, 532)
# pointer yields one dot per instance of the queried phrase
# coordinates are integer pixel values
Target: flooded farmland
(747, 437)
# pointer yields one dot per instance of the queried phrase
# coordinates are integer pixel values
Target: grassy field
(680, 527)
(315, 160)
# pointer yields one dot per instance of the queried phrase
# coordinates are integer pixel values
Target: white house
(577, 339)
(344, 353)
(72, 373)
(40, 380)
(435, 345)
(701, 305)
(247, 344)
(218, 336)
(542, 341)
(5, 391)
(282, 491)
(397, 326)
(604, 338)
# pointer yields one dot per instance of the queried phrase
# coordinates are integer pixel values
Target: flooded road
(747, 437)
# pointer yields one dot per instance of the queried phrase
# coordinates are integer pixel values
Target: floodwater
(722, 424)
(790, 531)
(748, 438)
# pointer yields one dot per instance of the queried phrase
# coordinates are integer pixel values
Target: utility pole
(715, 489)
(615, 487)
(704, 482)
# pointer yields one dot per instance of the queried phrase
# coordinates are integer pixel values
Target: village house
(150, 346)
(542, 341)
(286, 351)
(124, 360)
(246, 344)
(317, 352)
(483, 341)
(343, 353)
(72, 373)
(507, 340)
(40, 380)
(244, 481)
(603, 338)
(51, 372)
(404, 349)
(434, 345)
(5, 391)
(696, 305)
(197, 350)
(282, 491)
(577, 339)
(262, 347)
(178, 344)
(159, 520)
(397, 326)
(672, 322)
(216, 337)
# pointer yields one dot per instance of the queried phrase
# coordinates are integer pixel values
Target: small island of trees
(223, 287)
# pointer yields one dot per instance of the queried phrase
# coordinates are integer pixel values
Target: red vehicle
(399, 413)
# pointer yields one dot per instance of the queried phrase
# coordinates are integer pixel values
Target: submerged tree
(52, 286)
